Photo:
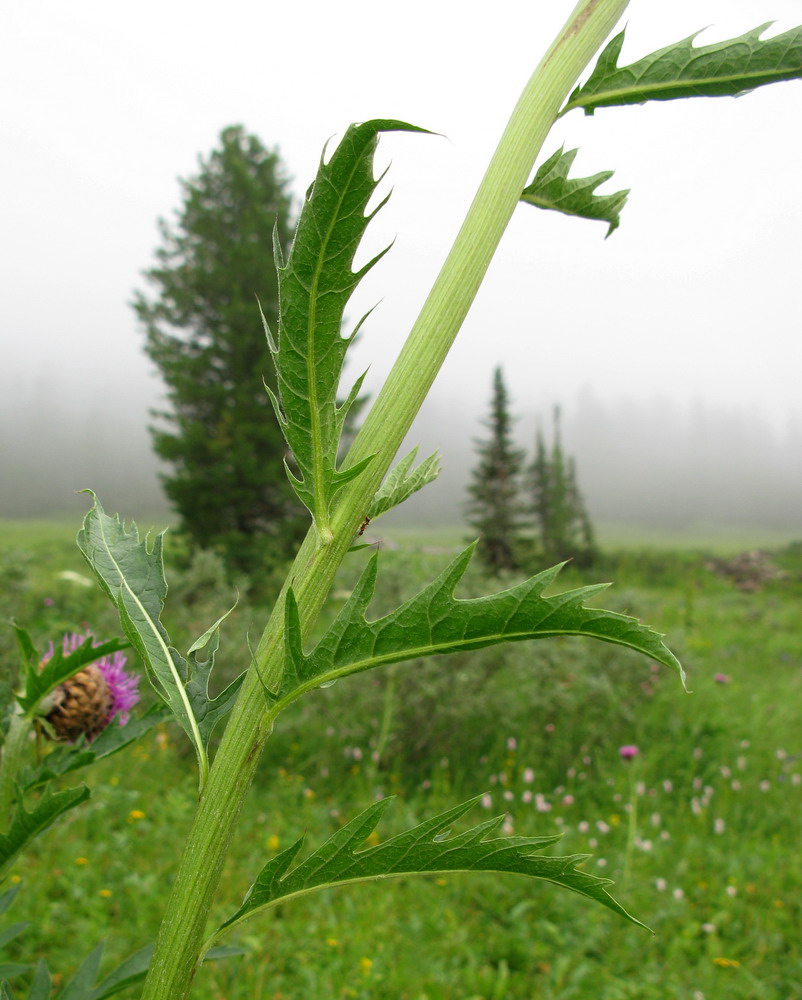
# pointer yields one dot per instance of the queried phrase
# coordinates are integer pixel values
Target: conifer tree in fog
(218, 434)
(494, 509)
(561, 518)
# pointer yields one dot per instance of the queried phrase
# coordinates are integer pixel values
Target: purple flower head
(628, 751)
(721, 678)
(123, 688)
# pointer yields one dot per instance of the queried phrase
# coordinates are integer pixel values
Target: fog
(673, 348)
(655, 463)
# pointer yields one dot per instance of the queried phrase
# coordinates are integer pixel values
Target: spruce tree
(561, 518)
(494, 509)
(203, 331)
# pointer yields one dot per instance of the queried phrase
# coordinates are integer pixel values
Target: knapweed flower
(84, 704)
(628, 751)
(721, 678)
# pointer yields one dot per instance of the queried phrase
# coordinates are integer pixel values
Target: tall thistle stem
(180, 941)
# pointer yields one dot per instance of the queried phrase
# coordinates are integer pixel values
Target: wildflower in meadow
(84, 704)
(628, 751)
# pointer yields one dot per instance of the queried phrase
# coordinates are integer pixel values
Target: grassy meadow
(699, 831)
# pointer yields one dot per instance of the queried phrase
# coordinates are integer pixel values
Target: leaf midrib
(204, 764)
(605, 95)
(439, 649)
(321, 506)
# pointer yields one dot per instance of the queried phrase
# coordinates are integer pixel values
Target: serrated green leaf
(10, 969)
(65, 759)
(552, 189)
(40, 987)
(40, 682)
(132, 575)
(25, 826)
(81, 986)
(424, 849)
(315, 285)
(400, 483)
(132, 970)
(724, 69)
(13, 930)
(8, 898)
(434, 623)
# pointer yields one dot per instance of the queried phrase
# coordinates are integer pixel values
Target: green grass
(707, 858)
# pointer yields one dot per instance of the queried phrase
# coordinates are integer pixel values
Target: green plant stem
(632, 824)
(387, 713)
(13, 748)
(182, 933)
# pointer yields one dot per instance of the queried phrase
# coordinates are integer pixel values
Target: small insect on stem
(364, 525)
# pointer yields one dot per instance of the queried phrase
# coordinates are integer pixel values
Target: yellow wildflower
(365, 965)
(106, 893)
(273, 842)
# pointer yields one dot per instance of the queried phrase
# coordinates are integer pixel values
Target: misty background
(672, 348)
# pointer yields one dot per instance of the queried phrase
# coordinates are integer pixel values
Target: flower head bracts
(86, 702)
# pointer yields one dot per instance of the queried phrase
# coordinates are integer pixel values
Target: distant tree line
(525, 514)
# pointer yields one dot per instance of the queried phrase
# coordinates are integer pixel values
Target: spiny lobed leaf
(423, 849)
(314, 287)
(724, 69)
(402, 481)
(552, 189)
(25, 826)
(129, 972)
(435, 623)
(40, 985)
(64, 759)
(132, 575)
(39, 682)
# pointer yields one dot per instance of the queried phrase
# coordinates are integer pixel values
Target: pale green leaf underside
(423, 849)
(65, 758)
(552, 189)
(315, 285)
(724, 69)
(436, 623)
(132, 575)
(402, 481)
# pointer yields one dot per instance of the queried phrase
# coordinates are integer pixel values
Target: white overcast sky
(695, 298)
